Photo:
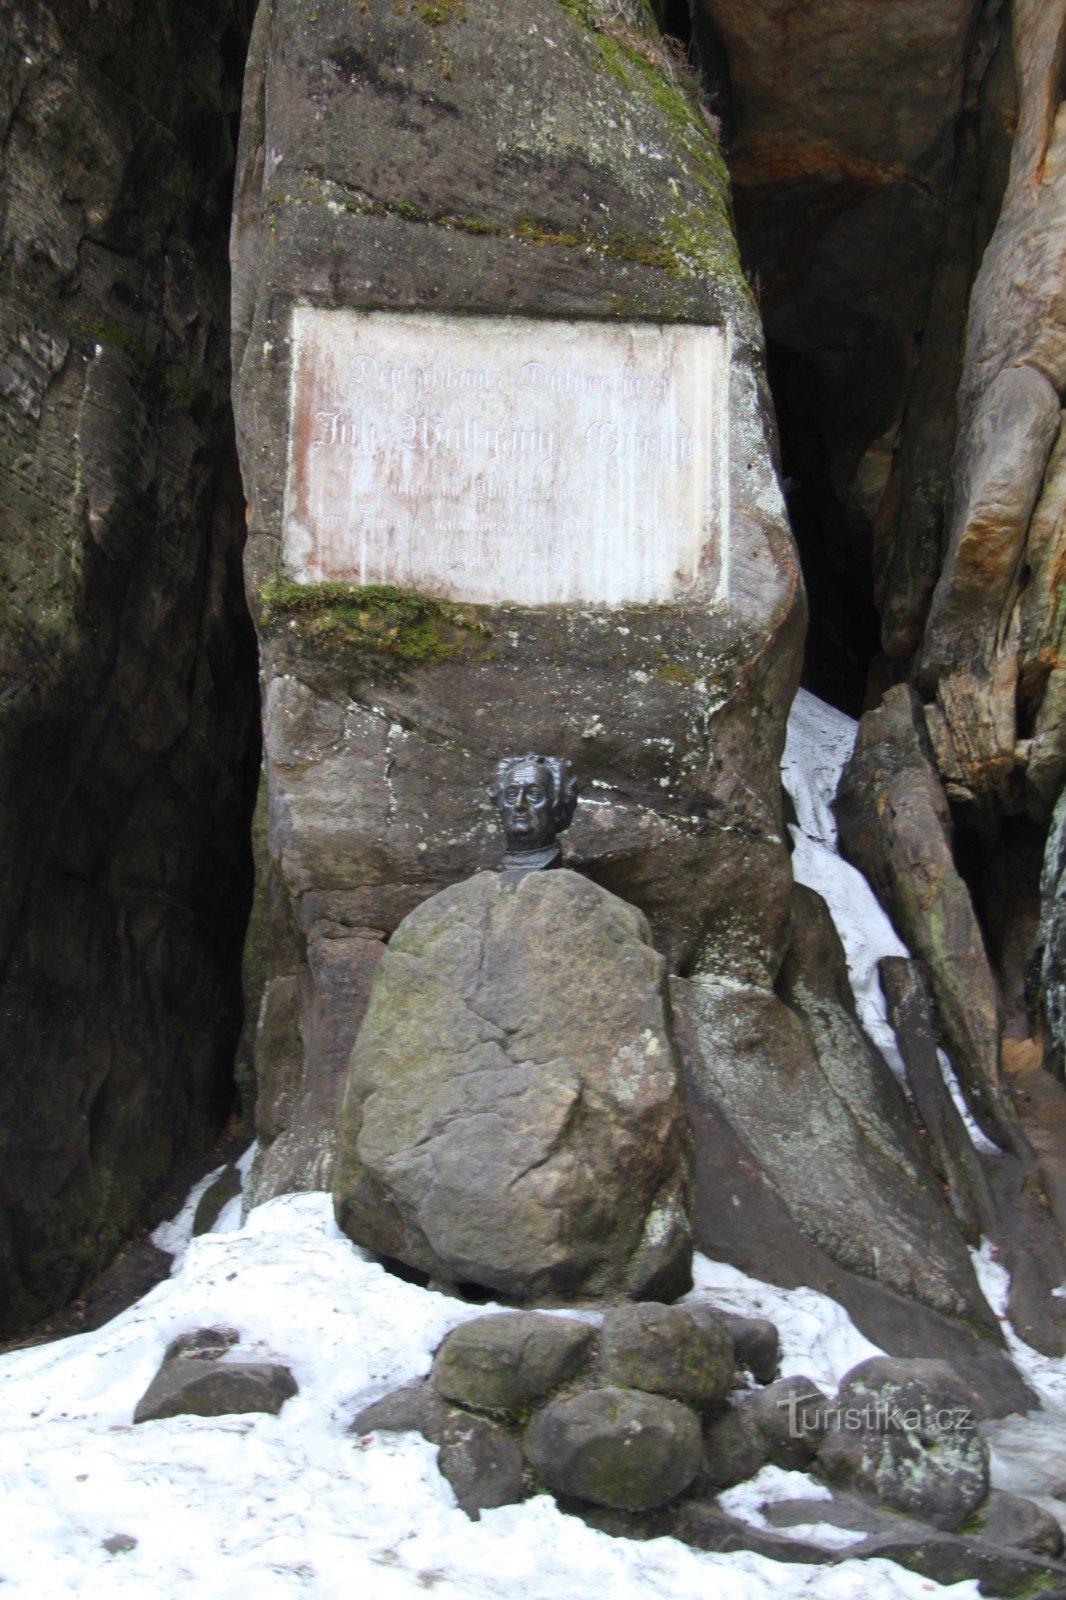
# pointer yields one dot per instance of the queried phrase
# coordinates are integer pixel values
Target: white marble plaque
(506, 458)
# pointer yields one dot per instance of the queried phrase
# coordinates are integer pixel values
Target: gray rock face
(789, 1416)
(895, 826)
(615, 1447)
(482, 1463)
(128, 720)
(905, 1433)
(733, 1449)
(206, 1388)
(501, 1363)
(1012, 1520)
(407, 180)
(416, 1408)
(664, 1351)
(824, 1126)
(1048, 963)
(513, 1115)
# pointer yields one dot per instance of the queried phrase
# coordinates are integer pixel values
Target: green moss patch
(375, 617)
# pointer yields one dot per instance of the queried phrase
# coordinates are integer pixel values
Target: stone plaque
(506, 458)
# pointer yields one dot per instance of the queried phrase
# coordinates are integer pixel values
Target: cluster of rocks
(639, 1425)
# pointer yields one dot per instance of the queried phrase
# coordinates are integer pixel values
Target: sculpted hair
(563, 777)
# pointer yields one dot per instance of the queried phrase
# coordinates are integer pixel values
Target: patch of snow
(818, 1338)
(819, 741)
(773, 1484)
(979, 1140)
(295, 1505)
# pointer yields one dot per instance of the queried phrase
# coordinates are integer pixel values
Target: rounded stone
(790, 1415)
(514, 1115)
(904, 1433)
(615, 1447)
(502, 1363)
(661, 1350)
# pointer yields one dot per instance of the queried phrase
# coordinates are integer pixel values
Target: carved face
(527, 803)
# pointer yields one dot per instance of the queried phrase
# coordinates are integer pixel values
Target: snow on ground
(264, 1508)
(818, 1339)
(261, 1508)
(820, 740)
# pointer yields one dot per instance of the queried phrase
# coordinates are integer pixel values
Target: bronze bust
(535, 796)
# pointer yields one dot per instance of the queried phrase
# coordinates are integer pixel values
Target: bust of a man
(535, 796)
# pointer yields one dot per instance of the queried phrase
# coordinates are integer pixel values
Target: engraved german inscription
(499, 459)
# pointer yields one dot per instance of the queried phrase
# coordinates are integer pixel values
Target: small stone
(662, 1350)
(119, 1543)
(503, 1362)
(482, 1463)
(790, 1416)
(615, 1447)
(206, 1344)
(756, 1343)
(733, 1449)
(1009, 1519)
(189, 1386)
(415, 1408)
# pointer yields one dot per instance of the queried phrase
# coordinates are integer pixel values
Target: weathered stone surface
(307, 1027)
(744, 1216)
(733, 1449)
(848, 1173)
(916, 1446)
(128, 725)
(501, 1363)
(1013, 371)
(756, 1343)
(996, 1564)
(661, 1349)
(416, 1408)
(208, 1344)
(514, 1116)
(1011, 1519)
(790, 1416)
(1048, 962)
(895, 825)
(615, 1447)
(211, 1388)
(945, 1557)
(951, 1148)
(513, 161)
(482, 1463)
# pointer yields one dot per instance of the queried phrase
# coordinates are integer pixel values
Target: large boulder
(128, 714)
(514, 1116)
(531, 160)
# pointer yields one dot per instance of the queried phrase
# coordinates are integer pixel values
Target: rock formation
(535, 159)
(127, 678)
(513, 1118)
